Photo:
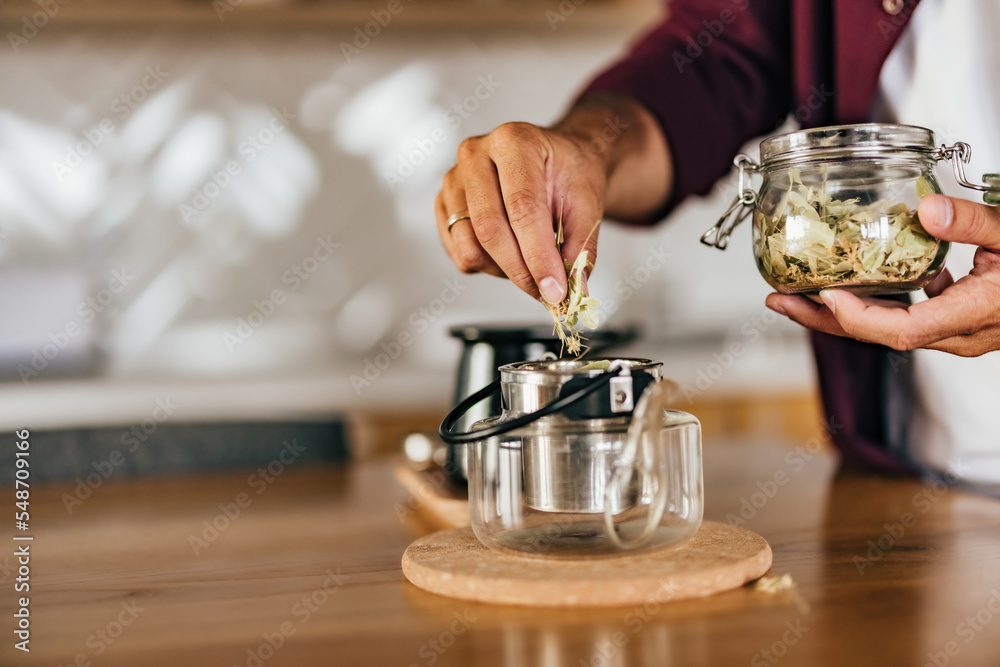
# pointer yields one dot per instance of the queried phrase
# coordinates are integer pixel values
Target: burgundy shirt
(716, 74)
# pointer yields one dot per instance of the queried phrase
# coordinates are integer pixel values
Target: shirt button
(893, 7)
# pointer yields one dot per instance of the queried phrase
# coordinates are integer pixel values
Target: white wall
(322, 176)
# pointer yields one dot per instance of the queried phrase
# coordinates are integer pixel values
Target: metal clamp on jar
(583, 460)
(838, 208)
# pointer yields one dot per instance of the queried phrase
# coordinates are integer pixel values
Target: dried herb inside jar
(817, 241)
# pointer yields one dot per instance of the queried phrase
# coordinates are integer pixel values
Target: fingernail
(830, 299)
(943, 211)
(551, 290)
(776, 307)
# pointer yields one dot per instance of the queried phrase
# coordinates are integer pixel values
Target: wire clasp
(741, 208)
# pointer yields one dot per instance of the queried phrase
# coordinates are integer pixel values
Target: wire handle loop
(959, 154)
(648, 414)
(450, 436)
(741, 208)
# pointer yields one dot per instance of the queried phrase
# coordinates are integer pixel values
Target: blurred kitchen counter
(887, 571)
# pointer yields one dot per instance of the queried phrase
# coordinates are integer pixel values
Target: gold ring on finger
(456, 217)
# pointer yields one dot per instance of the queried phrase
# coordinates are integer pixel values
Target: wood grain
(854, 604)
(438, 502)
(718, 558)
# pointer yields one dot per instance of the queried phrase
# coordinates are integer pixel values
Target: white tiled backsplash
(188, 206)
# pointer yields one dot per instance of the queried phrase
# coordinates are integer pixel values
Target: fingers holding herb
(511, 181)
(607, 148)
(523, 156)
(489, 215)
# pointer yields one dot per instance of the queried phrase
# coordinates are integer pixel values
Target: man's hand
(961, 317)
(606, 156)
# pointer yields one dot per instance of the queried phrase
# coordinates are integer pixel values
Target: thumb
(952, 219)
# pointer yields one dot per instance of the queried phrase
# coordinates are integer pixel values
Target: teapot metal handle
(648, 415)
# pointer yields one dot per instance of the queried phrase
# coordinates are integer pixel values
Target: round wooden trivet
(718, 558)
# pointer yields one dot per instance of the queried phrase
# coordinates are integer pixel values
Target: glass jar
(838, 208)
(569, 469)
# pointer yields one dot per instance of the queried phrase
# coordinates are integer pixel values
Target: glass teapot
(584, 460)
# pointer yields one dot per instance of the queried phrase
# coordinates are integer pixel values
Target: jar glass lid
(842, 141)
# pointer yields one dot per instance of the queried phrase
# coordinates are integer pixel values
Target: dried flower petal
(577, 306)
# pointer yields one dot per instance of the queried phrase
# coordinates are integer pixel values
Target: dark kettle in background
(487, 347)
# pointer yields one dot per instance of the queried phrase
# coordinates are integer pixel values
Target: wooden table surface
(888, 572)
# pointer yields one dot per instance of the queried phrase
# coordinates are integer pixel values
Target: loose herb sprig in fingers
(577, 307)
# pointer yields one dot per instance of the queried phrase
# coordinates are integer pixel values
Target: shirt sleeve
(715, 74)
